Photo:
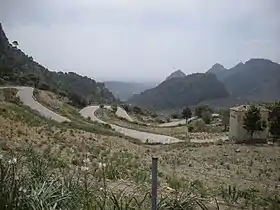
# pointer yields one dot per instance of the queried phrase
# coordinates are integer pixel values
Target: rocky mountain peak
(238, 65)
(3, 38)
(257, 61)
(216, 68)
(176, 74)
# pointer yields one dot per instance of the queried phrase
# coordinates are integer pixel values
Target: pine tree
(274, 120)
(252, 121)
(187, 113)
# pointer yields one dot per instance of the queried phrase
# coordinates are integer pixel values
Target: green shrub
(108, 126)
(175, 116)
(137, 110)
(202, 108)
(36, 92)
(126, 107)
(9, 95)
(198, 125)
(190, 128)
(206, 117)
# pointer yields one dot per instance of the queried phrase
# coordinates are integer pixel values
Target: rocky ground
(210, 168)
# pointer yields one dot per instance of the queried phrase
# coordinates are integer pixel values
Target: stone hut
(236, 130)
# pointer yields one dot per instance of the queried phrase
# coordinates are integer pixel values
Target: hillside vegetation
(16, 68)
(183, 91)
(48, 165)
(257, 80)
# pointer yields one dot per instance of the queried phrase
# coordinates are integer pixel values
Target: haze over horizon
(142, 40)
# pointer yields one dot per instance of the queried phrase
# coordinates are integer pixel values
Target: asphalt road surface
(26, 96)
(89, 112)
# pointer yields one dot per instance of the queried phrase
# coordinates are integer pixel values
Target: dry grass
(207, 166)
(241, 165)
(49, 99)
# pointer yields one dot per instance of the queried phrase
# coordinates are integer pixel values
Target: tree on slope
(187, 113)
(206, 116)
(202, 108)
(15, 43)
(252, 121)
(225, 118)
(274, 120)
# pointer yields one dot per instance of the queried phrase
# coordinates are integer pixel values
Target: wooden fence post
(154, 183)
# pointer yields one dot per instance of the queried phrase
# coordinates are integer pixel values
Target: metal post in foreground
(154, 183)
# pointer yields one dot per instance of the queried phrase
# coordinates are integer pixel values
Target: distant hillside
(179, 92)
(176, 74)
(16, 68)
(125, 90)
(256, 80)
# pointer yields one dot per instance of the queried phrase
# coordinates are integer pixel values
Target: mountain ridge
(16, 68)
(176, 74)
(216, 68)
(179, 92)
(257, 79)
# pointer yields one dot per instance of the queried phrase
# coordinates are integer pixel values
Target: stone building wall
(236, 130)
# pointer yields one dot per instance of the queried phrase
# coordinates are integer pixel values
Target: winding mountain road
(145, 137)
(26, 96)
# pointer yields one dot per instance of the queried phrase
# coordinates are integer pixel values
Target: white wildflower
(101, 189)
(86, 161)
(101, 165)
(22, 190)
(84, 168)
(12, 161)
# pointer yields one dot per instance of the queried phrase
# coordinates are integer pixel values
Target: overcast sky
(142, 39)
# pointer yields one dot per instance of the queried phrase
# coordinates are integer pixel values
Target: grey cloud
(142, 39)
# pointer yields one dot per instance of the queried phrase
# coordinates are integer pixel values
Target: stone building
(236, 130)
